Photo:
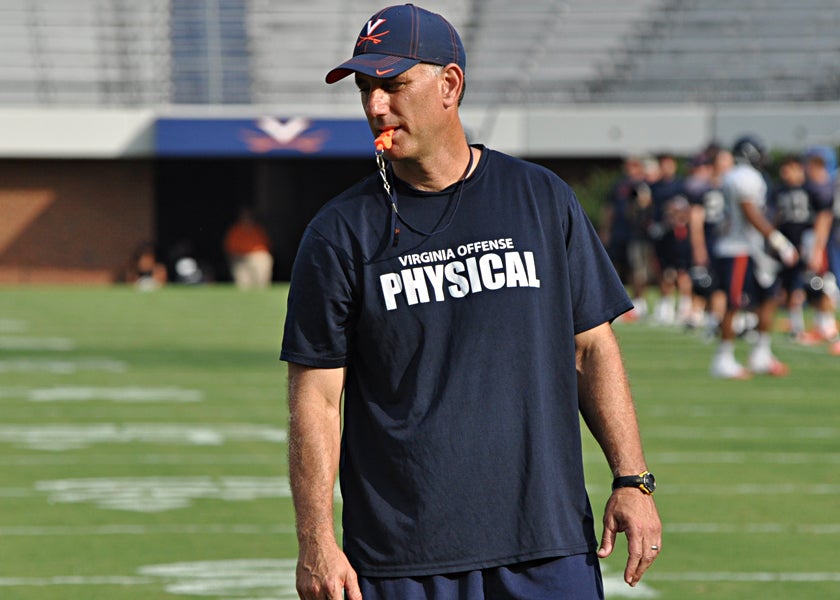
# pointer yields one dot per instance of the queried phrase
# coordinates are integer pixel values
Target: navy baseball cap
(399, 37)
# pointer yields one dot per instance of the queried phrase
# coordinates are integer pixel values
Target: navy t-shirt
(461, 445)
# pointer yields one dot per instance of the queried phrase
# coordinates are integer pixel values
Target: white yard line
(199, 458)
(748, 577)
(753, 528)
(107, 530)
(60, 437)
(64, 580)
(61, 367)
(29, 344)
(740, 433)
(717, 458)
(156, 494)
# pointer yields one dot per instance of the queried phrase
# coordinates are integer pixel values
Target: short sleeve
(319, 310)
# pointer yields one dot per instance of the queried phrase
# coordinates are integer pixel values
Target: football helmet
(749, 149)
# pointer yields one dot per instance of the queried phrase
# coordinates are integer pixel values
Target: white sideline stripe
(751, 489)
(755, 577)
(259, 529)
(13, 342)
(62, 367)
(740, 433)
(25, 460)
(242, 529)
(738, 489)
(158, 494)
(773, 458)
(124, 394)
(753, 528)
(59, 436)
(74, 580)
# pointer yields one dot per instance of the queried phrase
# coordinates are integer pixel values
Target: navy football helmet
(749, 149)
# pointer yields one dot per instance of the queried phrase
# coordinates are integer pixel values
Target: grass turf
(146, 429)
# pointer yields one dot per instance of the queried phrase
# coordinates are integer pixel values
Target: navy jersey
(792, 211)
(703, 193)
(461, 444)
(663, 191)
(795, 207)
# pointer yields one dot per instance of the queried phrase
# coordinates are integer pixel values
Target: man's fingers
(351, 587)
(639, 561)
(607, 542)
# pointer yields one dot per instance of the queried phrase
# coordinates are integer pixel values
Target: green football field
(143, 455)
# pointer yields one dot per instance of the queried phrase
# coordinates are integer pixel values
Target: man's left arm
(607, 407)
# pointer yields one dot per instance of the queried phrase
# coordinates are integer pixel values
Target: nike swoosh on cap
(383, 71)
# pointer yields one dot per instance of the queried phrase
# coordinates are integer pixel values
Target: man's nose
(377, 102)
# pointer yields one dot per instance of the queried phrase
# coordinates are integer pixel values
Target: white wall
(555, 131)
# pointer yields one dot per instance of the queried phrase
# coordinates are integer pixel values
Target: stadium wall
(80, 190)
(561, 131)
(72, 221)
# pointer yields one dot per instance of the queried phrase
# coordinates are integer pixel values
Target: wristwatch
(645, 481)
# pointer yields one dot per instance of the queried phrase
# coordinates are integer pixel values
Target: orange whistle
(384, 141)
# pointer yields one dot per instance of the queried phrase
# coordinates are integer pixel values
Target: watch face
(649, 481)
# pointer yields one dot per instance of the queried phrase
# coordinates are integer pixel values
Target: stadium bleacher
(264, 52)
(716, 51)
(84, 53)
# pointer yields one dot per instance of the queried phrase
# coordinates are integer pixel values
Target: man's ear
(452, 83)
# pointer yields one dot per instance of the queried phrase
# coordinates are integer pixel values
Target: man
(793, 215)
(821, 284)
(747, 273)
(460, 300)
(670, 240)
(248, 249)
(626, 242)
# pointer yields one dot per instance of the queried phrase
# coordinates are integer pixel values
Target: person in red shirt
(248, 249)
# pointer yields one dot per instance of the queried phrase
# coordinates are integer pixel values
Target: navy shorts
(736, 276)
(575, 577)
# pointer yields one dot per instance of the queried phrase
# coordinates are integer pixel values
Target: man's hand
(633, 512)
(324, 573)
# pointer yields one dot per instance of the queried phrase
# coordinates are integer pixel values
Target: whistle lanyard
(391, 194)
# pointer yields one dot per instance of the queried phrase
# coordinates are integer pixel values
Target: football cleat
(728, 368)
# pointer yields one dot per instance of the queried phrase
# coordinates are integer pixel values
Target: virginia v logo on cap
(370, 37)
(399, 37)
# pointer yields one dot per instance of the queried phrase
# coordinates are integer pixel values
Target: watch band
(644, 481)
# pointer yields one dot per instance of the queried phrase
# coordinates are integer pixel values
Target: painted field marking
(66, 580)
(117, 529)
(753, 528)
(61, 367)
(703, 458)
(244, 579)
(128, 394)
(158, 494)
(262, 529)
(60, 437)
(52, 459)
(740, 433)
(752, 577)
(28, 344)
(738, 489)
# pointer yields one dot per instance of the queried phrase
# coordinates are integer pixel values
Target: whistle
(384, 141)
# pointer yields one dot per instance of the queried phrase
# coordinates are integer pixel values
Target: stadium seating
(83, 52)
(270, 52)
(716, 51)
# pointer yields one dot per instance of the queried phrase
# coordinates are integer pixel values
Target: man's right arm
(323, 571)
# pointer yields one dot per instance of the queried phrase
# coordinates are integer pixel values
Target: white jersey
(737, 237)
